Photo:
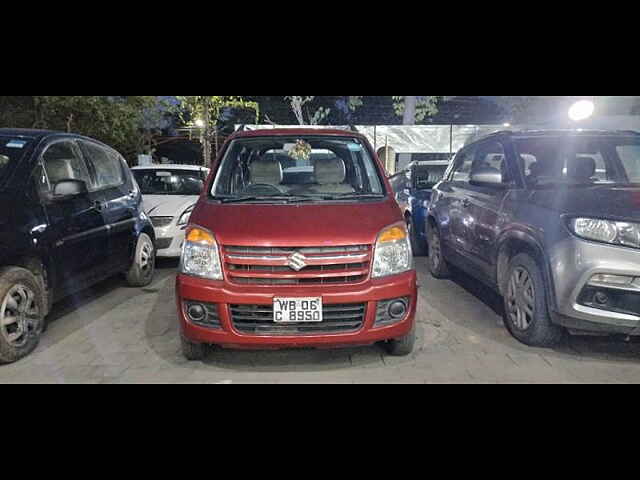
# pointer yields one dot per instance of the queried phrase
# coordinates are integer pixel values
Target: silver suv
(551, 220)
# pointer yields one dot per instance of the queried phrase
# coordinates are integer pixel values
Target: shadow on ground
(589, 347)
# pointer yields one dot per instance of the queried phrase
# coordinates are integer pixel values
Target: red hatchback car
(297, 241)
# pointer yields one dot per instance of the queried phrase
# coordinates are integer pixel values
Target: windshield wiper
(355, 196)
(275, 198)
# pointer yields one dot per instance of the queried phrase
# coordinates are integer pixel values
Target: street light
(581, 110)
(199, 123)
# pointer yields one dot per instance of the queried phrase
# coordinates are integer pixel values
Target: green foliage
(114, 120)
(426, 106)
(208, 110)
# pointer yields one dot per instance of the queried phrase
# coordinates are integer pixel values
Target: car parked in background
(70, 216)
(170, 194)
(413, 188)
(551, 220)
(297, 242)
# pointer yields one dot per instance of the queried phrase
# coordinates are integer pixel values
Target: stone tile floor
(114, 334)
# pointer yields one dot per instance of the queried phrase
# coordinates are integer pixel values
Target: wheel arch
(514, 243)
(42, 269)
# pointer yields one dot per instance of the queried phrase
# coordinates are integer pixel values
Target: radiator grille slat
(324, 265)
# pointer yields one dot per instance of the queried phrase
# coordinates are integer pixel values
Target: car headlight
(200, 255)
(607, 231)
(393, 253)
(184, 218)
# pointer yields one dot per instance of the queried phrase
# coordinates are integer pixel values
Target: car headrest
(581, 168)
(266, 171)
(330, 171)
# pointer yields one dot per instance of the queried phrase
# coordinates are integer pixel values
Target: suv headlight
(393, 253)
(184, 218)
(607, 231)
(200, 255)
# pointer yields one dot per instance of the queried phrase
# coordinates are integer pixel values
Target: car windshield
(427, 176)
(304, 168)
(11, 151)
(169, 182)
(578, 161)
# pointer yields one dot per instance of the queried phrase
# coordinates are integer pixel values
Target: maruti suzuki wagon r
(297, 241)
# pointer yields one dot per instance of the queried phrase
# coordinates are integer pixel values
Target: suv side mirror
(487, 177)
(65, 189)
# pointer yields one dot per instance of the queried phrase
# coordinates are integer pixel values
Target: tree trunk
(410, 106)
(206, 136)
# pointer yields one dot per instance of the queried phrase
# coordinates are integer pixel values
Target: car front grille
(322, 265)
(161, 222)
(258, 320)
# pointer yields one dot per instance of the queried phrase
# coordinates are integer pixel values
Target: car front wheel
(525, 304)
(21, 313)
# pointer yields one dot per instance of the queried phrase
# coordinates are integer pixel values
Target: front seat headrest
(266, 171)
(330, 172)
(581, 168)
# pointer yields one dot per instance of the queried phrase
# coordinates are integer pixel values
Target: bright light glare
(581, 110)
(199, 123)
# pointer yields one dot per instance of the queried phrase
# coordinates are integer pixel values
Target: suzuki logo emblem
(297, 261)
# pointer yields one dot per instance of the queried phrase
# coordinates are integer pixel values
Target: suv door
(119, 201)
(454, 200)
(486, 204)
(77, 233)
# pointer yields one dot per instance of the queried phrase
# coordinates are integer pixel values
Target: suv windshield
(169, 182)
(580, 160)
(11, 151)
(309, 168)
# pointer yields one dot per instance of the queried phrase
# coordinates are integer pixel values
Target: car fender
(536, 246)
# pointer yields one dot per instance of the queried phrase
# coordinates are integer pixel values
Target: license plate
(297, 310)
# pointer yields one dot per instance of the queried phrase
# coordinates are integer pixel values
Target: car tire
(417, 245)
(438, 266)
(144, 263)
(402, 347)
(22, 315)
(193, 351)
(525, 304)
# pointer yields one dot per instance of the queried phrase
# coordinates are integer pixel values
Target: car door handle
(98, 206)
(466, 202)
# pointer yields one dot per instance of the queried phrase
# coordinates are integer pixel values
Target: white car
(170, 194)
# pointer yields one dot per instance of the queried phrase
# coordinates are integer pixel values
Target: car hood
(301, 225)
(603, 201)
(167, 205)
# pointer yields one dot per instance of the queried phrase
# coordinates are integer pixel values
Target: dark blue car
(413, 188)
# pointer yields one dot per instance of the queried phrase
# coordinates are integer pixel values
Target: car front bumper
(169, 241)
(223, 294)
(574, 262)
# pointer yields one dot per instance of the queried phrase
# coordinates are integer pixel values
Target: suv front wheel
(525, 304)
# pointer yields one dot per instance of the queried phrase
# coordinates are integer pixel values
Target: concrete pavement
(113, 334)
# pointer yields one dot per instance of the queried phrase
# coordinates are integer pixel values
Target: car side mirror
(487, 177)
(69, 188)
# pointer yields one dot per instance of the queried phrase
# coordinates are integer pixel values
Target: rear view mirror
(69, 188)
(487, 177)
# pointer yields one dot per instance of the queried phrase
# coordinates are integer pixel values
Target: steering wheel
(262, 189)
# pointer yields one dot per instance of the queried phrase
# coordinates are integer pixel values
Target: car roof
(28, 133)
(170, 167)
(557, 133)
(284, 132)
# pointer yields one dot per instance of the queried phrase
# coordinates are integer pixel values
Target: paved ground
(112, 334)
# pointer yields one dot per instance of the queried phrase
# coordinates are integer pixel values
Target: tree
(114, 120)
(205, 113)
